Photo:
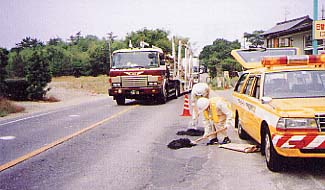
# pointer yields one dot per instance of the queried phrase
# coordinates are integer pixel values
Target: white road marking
(74, 115)
(26, 118)
(7, 137)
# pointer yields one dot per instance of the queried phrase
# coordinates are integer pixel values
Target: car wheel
(241, 132)
(273, 160)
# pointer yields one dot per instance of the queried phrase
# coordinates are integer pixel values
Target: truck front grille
(320, 118)
(134, 81)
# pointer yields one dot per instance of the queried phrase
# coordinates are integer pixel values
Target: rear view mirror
(151, 55)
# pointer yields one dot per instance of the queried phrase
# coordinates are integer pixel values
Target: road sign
(319, 32)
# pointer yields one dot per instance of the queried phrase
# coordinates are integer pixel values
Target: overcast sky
(202, 21)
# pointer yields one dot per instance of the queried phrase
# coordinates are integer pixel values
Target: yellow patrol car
(280, 102)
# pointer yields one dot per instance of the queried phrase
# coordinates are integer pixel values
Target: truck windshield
(295, 84)
(135, 59)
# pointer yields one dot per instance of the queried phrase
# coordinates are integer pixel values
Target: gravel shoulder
(67, 97)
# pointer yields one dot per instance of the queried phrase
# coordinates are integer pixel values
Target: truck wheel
(241, 132)
(177, 91)
(163, 96)
(120, 100)
(273, 160)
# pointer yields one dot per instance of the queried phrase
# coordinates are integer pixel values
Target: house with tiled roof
(292, 33)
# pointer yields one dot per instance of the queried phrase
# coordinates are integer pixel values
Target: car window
(249, 85)
(256, 90)
(240, 82)
(294, 84)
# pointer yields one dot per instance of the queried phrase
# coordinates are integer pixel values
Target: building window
(285, 42)
(276, 42)
(270, 43)
(308, 41)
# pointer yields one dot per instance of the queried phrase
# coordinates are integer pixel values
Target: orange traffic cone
(186, 108)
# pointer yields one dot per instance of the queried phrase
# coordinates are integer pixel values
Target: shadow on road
(305, 165)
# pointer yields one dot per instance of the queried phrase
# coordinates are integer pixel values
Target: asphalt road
(99, 145)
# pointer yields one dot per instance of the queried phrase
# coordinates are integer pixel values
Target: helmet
(202, 104)
(200, 89)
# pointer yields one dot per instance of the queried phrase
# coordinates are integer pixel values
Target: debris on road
(181, 143)
(191, 132)
(246, 148)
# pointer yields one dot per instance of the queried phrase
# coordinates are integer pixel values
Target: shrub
(38, 75)
(3, 73)
(17, 89)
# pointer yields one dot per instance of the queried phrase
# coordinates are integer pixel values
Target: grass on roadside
(7, 107)
(97, 84)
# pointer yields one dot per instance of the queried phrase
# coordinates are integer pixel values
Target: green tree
(18, 62)
(38, 75)
(80, 65)
(254, 38)
(20, 54)
(213, 56)
(29, 42)
(3, 73)
(59, 60)
(98, 58)
(229, 64)
(118, 44)
(156, 37)
(55, 42)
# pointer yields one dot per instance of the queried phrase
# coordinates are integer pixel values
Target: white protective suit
(199, 90)
(217, 114)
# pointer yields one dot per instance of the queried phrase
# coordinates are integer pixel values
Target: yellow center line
(59, 141)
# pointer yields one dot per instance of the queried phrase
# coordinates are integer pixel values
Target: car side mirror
(266, 100)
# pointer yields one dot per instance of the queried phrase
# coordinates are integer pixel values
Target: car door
(253, 120)
(238, 103)
(246, 115)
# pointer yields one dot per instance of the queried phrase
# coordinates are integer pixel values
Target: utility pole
(286, 13)
(315, 52)
(179, 59)
(174, 57)
(110, 40)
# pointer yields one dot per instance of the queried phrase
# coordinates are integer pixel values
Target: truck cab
(141, 73)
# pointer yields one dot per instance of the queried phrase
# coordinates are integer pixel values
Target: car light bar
(269, 61)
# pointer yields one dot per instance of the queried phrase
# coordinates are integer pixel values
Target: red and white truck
(148, 73)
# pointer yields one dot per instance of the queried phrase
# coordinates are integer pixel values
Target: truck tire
(177, 91)
(164, 94)
(163, 97)
(120, 100)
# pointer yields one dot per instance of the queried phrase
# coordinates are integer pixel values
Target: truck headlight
(152, 83)
(116, 84)
(297, 123)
